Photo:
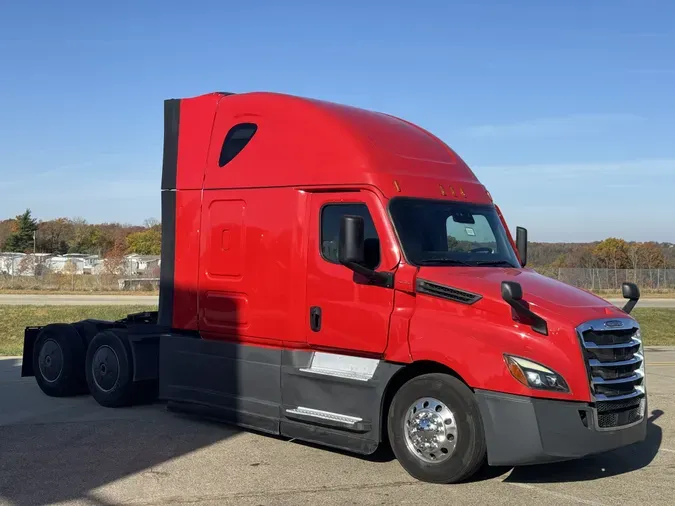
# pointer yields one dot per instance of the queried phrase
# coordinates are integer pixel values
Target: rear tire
(435, 429)
(58, 361)
(109, 369)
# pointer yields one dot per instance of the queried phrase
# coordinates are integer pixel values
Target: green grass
(657, 324)
(13, 319)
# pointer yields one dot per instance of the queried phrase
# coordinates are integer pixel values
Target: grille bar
(592, 346)
(597, 380)
(637, 359)
(612, 349)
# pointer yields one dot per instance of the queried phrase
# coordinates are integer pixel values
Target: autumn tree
(652, 255)
(148, 242)
(613, 254)
(582, 256)
(113, 262)
(560, 261)
(21, 238)
(53, 235)
(5, 232)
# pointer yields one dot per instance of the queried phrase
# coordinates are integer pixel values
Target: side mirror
(351, 247)
(631, 292)
(521, 244)
(512, 293)
(351, 252)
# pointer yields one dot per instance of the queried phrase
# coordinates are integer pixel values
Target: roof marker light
(452, 190)
(398, 188)
(461, 190)
(442, 189)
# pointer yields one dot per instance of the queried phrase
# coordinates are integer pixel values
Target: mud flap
(29, 336)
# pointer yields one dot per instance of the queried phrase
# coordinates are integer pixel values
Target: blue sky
(564, 109)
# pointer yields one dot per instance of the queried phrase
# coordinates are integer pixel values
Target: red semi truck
(341, 276)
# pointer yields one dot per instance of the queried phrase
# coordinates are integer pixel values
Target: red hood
(546, 296)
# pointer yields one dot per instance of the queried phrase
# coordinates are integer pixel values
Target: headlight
(534, 375)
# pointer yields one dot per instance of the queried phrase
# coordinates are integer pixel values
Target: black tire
(87, 331)
(469, 452)
(58, 361)
(109, 369)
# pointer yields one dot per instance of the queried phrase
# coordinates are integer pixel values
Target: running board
(328, 418)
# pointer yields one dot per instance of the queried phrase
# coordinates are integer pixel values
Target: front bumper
(525, 430)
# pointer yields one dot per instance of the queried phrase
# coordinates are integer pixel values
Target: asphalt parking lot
(72, 451)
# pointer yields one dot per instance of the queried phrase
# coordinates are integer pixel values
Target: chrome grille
(615, 363)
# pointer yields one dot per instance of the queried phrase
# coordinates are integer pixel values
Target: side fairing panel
(252, 265)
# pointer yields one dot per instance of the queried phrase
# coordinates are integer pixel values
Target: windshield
(434, 232)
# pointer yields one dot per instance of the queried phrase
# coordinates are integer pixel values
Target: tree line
(611, 253)
(65, 235)
(24, 234)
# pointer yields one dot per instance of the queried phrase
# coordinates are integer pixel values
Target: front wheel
(435, 429)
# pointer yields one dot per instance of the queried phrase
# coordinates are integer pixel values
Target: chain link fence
(597, 280)
(59, 282)
(610, 280)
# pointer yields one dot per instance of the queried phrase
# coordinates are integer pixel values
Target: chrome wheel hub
(430, 430)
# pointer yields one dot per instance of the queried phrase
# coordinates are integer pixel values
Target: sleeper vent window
(236, 140)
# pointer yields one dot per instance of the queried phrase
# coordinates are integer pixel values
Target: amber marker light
(398, 188)
(516, 371)
(442, 189)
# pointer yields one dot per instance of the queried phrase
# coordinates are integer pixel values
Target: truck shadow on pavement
(64, 449)
(621, 461)
(45, 463)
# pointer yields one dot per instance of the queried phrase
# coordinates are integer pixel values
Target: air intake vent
(446, 292)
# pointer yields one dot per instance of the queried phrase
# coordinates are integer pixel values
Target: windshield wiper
(494, 263)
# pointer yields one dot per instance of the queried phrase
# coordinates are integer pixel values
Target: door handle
(315, 318)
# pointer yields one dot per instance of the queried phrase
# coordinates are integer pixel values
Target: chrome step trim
(324, 415)
(338, 374)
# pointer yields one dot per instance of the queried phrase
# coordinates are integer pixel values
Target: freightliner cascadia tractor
(341, 276)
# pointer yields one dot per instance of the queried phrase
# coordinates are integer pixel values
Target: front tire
(435, 429)
(58, 361)
(109, 369)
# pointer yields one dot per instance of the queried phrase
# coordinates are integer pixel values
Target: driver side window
(331, 216)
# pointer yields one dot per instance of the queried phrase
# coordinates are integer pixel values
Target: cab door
(344, 311)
